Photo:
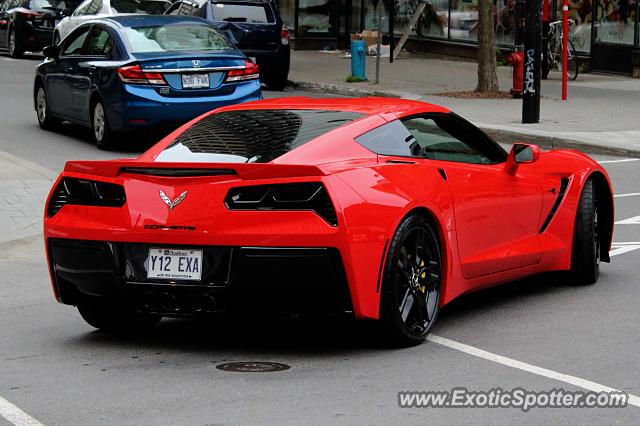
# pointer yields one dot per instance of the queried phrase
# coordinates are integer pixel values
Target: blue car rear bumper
(142, 107)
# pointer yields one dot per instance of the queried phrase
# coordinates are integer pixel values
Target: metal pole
(379, 41)
(392, 43)
(565, 47)
(532, 59)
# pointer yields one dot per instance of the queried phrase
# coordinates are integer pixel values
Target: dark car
(253, 26)
(27, 25)
(140, 72)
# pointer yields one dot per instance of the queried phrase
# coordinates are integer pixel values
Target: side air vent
(564, 183)
(311, 196)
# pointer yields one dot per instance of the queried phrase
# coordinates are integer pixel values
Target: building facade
(606, 31)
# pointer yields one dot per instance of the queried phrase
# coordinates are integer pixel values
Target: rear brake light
(249, 72)
(134, 74)
(284, 36)
(85, 192)
(291, 196)
(29, 16)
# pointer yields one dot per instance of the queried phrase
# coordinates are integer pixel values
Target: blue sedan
(136, 72)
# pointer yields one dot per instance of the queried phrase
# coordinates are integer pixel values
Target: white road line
(626, 160)
(572, 380)
(622, 248)
(631, 221)
(631, 194)
(16, 416)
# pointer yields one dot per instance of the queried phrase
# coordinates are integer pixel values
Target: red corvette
(380, 208)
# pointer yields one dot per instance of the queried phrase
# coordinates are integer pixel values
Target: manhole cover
(252, 367)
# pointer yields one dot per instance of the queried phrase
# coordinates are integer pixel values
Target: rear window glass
(235, 12)
(152, 7)
(255, 136)
(175, 37)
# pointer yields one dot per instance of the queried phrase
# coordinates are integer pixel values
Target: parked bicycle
(554, 52)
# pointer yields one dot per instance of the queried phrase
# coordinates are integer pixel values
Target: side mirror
(51, 52)
(522, 153)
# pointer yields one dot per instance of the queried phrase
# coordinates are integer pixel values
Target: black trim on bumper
(235, 279)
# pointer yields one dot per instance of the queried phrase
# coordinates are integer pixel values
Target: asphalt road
(59, 370)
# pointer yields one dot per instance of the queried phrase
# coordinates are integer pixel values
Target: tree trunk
(487, 77)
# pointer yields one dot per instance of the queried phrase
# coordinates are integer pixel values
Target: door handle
(92, 70)
(68, 69)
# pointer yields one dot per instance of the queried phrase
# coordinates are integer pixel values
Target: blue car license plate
(195, 81)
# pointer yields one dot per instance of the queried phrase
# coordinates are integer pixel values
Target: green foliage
(354, 79)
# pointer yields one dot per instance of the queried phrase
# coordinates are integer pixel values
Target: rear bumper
(235, 279)
(143, 107)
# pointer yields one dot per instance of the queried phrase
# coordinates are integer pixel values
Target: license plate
(195, 81)
(174, 264)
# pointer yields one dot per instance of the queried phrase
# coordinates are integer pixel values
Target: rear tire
(13, 45)
(572, 63)
(585, 258)
(411, 283)
(100, 130)
(45, 120)
(109, 316)
(277, 81)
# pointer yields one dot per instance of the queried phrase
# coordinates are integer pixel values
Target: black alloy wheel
(411, 282)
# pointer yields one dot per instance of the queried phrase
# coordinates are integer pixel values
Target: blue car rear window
(251, 136)
(239, 12)
(176, 37)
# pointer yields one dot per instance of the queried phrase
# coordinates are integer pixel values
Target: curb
(499, 135)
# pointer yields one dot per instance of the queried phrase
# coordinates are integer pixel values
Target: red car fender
(373, 212)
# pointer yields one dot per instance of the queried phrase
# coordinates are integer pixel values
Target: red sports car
(383, 209)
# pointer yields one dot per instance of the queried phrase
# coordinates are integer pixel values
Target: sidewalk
(23, 191)
(600, 115)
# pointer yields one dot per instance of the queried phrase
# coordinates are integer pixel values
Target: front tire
(109, 316)
(411, 283)
(100, 130)
(585, 259)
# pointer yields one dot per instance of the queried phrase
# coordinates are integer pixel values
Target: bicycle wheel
(572, 62)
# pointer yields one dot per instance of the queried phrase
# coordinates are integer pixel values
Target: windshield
(152, 7)
(233, 12)
(165, 38)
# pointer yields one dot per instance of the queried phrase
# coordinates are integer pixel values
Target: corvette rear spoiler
(113, 168)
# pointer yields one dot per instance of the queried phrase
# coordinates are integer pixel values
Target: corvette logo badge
(174, 203)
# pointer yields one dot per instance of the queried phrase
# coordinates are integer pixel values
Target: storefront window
(581, 11)
(615, 21)
(316, 18)
(371, 8)
(287, 9)
(464, 20)
(506, 22)
(432, 22)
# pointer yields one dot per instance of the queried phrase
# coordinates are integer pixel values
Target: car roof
(133, 21)
(367, 106)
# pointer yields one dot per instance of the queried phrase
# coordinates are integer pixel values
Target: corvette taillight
(134, 74)
(249, 72)
(284, 36)
(311, 196)
(85, 192)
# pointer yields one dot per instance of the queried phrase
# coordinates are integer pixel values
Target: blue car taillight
(249, 72)
(85, 192)
(310, 196)
(134, 74)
